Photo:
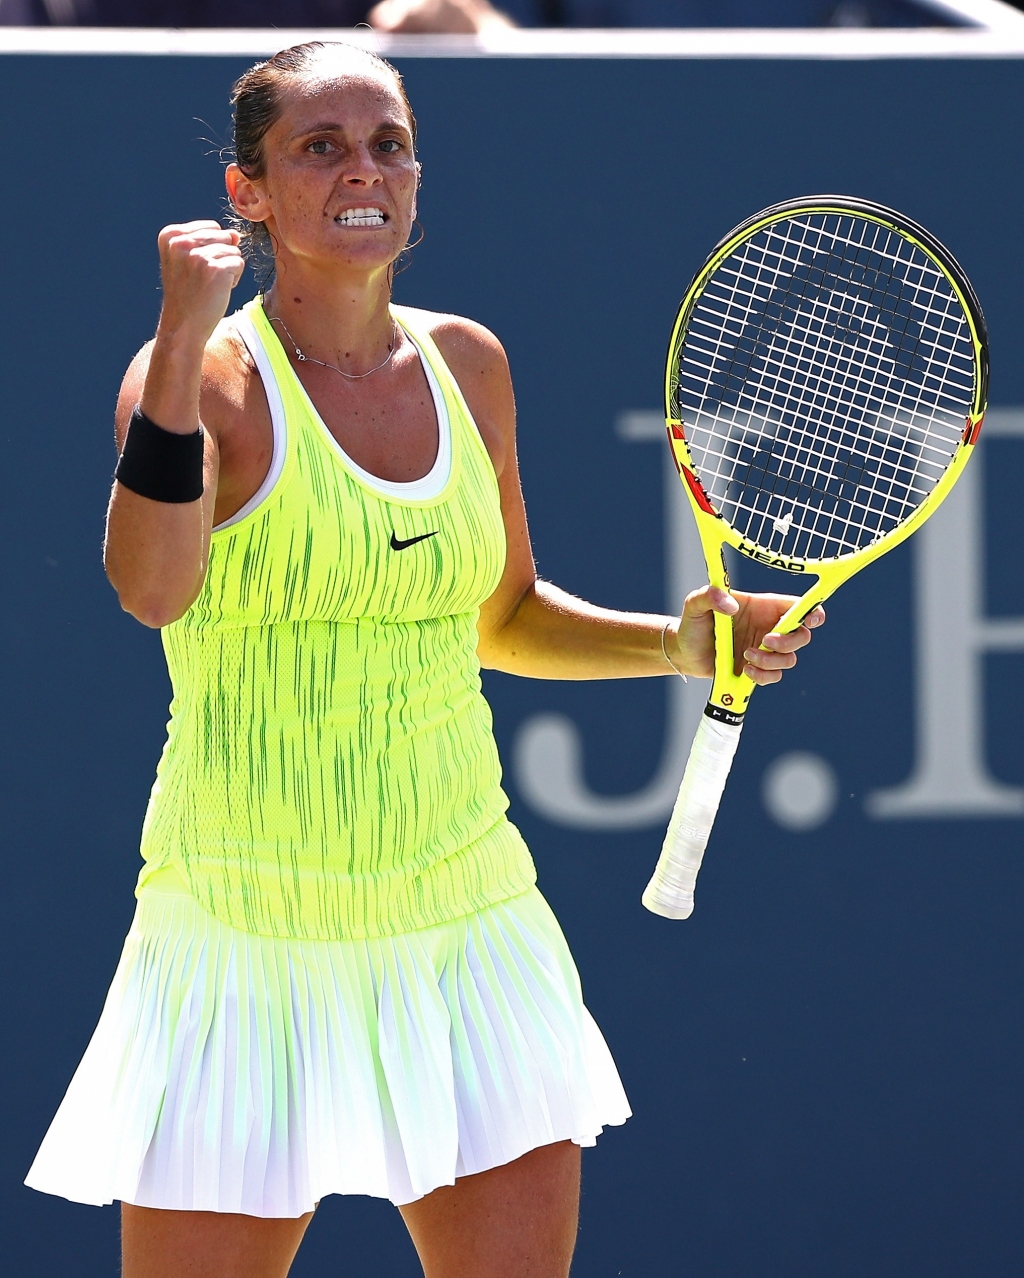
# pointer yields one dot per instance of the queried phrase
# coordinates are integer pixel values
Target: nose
(362, 168)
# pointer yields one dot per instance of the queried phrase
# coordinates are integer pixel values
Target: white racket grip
(670, 891)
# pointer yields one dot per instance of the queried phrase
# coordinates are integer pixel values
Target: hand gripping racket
(826, 383)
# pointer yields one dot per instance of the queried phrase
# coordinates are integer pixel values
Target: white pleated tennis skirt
(239, 1073)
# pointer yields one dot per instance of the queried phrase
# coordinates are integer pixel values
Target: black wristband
(161, 464)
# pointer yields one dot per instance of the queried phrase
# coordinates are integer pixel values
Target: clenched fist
(200, 263)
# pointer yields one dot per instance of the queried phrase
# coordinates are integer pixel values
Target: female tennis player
(341, 977)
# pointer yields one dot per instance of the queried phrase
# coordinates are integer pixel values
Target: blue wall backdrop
(825, 1062)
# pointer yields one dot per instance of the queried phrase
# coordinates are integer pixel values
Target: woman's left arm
(531, 627)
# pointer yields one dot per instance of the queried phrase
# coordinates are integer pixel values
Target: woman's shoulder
(228, 371)
(475, 356)
(226, 355)
(478, 363)
(453, 333)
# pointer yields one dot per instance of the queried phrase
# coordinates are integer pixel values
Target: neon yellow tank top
(330, 769)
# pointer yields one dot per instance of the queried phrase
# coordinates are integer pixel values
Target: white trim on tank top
(248, 334)
(423, 489)
(433, 482)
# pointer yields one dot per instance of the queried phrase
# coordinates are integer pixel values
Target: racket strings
(824, 383)
(841, 384)
(770, 364)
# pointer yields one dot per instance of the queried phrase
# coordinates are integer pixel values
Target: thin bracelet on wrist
(664, 651)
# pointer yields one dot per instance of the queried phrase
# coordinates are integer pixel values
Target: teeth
(361, 217)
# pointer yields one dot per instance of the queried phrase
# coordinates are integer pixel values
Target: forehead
(341, 93)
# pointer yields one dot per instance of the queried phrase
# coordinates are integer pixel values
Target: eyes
(324, 146)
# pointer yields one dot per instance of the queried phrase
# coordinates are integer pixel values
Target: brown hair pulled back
(256, 99)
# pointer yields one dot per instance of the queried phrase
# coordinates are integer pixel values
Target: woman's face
(340, 173)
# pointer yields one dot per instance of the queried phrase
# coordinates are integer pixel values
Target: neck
(342, 320)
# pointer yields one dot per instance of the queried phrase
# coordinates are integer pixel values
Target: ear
(246, 195)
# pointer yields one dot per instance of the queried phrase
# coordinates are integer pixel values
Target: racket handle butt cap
(668, 906)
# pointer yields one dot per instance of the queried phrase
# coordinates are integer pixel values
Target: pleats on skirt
(239, 1073)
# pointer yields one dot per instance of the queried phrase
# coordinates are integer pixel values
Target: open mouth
(361, 217)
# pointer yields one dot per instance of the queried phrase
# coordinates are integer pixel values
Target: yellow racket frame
(730, 692)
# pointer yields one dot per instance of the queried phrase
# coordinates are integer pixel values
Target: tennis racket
(826, 383)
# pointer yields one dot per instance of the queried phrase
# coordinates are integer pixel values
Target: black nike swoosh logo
(401, 545)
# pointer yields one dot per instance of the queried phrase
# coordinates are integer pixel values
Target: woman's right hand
(200, 264)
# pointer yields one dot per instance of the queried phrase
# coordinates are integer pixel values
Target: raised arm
(531, 627)
(156, 551)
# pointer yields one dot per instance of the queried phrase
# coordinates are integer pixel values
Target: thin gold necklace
(352, 377)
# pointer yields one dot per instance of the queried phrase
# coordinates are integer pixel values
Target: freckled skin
(309, 171)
